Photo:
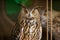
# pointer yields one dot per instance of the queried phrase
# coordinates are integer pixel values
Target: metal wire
(47, 20)
(51, 19)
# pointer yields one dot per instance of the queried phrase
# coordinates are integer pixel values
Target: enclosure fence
(50, 19)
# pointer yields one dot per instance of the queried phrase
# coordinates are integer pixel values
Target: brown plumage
(29, 25)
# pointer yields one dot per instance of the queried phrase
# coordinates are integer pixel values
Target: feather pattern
(30, 26)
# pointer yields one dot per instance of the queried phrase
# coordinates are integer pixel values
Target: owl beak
(29, 15)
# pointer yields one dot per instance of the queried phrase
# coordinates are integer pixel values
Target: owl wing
(15, 32)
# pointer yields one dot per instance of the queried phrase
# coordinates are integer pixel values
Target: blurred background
(9, 10)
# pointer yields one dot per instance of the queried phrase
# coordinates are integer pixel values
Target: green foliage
(25, 2)
(12, 7)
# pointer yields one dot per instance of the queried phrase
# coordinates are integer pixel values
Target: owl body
(29, 22)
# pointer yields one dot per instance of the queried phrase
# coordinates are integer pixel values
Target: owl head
(26, 13)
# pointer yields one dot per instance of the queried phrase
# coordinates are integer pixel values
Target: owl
(55, 21)
(29, 25)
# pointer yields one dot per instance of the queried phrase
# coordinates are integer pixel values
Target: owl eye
(45, 14)
(26, 11)
(35, 11)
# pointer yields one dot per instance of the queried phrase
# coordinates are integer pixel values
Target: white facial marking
(29, 15)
